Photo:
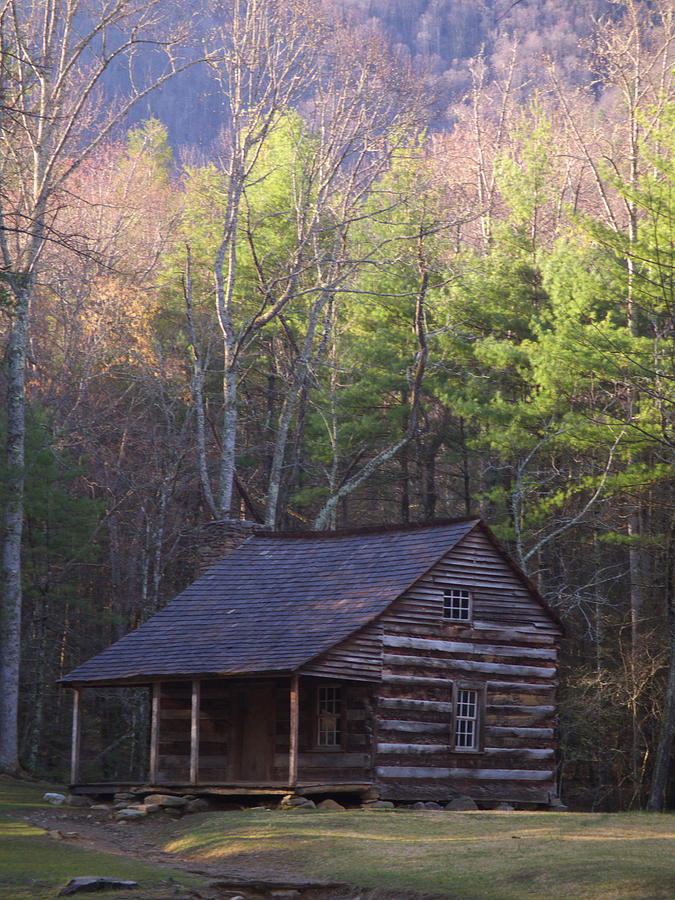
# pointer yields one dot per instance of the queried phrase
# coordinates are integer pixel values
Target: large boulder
(149, 808)
(90, 884)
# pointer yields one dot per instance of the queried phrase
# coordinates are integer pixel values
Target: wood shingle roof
(275, 603)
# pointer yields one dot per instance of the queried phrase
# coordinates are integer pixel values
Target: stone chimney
(217, 539)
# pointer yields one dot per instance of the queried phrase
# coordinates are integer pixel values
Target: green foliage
(528, 175)
(149, 143)
(60, 518)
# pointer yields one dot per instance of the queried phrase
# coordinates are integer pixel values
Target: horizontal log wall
(508, 652)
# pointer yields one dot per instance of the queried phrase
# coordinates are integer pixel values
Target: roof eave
(147, 679)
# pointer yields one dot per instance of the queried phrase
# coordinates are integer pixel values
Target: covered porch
(256, 736)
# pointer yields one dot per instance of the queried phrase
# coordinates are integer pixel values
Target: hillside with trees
(335, 314)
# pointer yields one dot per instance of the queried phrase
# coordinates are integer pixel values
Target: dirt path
(257, 876)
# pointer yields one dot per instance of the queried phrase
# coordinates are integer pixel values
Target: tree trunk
(198, 388)
(404, 476)
(657, 794)
(430, 493)
(664, 750)
(301, 370)
(229, 436)
(10, 619)
(466, 473)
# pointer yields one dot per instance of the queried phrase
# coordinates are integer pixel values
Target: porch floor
(362, 789)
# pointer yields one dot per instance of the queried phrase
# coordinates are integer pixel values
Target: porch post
(75, 741)
(194, 733)
(154, 732)
(295, 722)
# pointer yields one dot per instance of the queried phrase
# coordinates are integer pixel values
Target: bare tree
(354, 107)
(54, 56)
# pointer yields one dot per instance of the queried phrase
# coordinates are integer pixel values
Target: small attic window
(457, 604)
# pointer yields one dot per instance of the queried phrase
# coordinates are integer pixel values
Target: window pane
(466, 720)
(329, 706)
(457, 604)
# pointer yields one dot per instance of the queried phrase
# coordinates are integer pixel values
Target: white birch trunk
(10, 618)
(300, 374)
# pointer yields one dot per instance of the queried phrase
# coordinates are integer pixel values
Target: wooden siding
(508, 653)
(357, 659)
(175, 700)
(215, 719)
(219, 747)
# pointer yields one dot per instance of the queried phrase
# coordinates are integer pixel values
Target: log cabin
(413, 663)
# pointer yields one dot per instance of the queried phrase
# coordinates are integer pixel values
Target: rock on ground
(328, 803)
(295, 802)
(378, 804)
(462, 804)
(79, 800)
(126, 815)
(166, 801)
(90, 884)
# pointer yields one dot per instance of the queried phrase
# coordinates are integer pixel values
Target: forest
(340, 308)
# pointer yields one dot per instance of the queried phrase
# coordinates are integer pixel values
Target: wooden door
(253, 730)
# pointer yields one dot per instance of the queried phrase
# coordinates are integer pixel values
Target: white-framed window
(457, 604)
(329, 716)
(467, 719)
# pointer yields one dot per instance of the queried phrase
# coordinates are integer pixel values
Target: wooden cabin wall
(215, 718)
(508, 653)
(352, 761)
(174, 731)
(175, 700)
(359, 658)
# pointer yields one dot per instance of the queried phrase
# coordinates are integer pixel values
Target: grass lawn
(35, 866)
(464, 856)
